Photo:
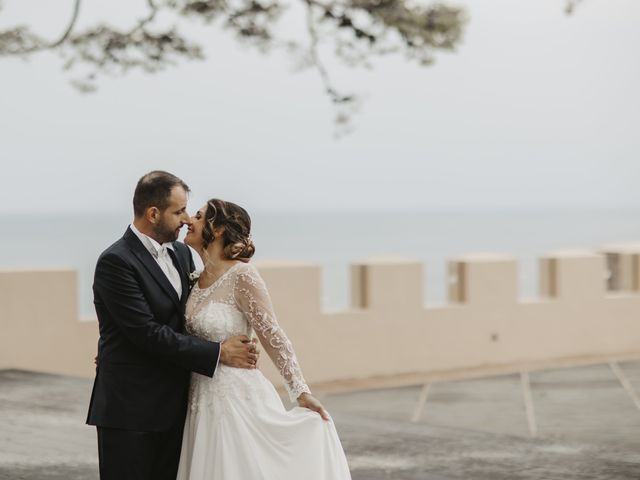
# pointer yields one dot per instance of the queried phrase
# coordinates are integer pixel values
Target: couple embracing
(177, 394)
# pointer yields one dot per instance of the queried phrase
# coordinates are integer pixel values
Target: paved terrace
(555, 424)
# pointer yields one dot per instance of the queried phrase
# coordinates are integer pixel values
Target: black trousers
(129, 455)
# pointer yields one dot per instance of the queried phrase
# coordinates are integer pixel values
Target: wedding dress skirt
(237, 427)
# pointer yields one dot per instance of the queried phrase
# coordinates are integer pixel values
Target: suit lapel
(151, 265)
(182, 270)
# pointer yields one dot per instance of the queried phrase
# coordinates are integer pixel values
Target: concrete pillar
(39, 321)
(302, 283)
(574, 275)
(623, 264)
(483, 279)
(387, 283)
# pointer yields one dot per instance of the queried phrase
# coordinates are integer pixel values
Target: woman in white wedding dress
(237, 427)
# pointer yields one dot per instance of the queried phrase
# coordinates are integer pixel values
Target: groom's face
(173, 218)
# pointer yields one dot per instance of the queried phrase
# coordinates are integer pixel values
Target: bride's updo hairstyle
(238, 244)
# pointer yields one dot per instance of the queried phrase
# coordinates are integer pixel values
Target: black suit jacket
(144, 359)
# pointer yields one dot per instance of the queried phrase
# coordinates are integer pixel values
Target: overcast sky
(535, 109)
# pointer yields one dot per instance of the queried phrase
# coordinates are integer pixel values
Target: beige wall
(388, 331)
(39, 325)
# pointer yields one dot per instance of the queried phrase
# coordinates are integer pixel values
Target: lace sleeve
(253, 300)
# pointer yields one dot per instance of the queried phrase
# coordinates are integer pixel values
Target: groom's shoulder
(118, 248)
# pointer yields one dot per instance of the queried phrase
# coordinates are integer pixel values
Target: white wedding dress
(237, 427)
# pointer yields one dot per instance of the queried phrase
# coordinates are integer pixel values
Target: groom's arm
(116, 286)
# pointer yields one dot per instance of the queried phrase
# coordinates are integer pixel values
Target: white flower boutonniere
(193, 278)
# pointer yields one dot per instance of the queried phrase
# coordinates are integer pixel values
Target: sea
(333, 240)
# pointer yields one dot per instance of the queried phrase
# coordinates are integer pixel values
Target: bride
(237, 427)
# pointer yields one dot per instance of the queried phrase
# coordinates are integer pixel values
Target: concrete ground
(557, 424)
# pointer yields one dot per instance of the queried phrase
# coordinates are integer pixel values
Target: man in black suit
(139, 397)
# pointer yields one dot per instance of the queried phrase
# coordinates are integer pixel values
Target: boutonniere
(193, 278)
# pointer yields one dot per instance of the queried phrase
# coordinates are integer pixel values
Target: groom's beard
(164, 234)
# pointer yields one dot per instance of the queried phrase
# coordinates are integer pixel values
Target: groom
(139, 397)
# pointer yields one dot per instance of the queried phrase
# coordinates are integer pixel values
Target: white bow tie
(163, 251)
(165, 261)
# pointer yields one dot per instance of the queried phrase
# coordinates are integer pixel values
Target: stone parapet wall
(589, 305)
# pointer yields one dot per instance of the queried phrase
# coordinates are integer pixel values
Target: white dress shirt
(162, 257)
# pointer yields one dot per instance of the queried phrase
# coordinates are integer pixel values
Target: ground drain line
(422, 401)
(528, 403)
(624, 381)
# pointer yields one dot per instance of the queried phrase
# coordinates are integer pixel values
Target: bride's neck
(213, 261)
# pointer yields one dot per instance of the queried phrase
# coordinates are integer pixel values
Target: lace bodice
(238, 303)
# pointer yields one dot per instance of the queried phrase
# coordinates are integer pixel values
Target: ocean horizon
(333, 240)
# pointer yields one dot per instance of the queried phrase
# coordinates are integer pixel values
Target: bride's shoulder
(248, 273)
(246, 269)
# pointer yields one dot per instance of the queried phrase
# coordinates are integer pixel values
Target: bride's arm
(253, 300)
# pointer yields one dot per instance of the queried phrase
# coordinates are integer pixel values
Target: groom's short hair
(154, 190)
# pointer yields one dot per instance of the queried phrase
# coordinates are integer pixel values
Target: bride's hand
(307, 400)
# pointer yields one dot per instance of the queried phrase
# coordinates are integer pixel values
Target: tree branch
(72, 23)
(345, 104)
(315, 58)
(359, 29)
(148, 19)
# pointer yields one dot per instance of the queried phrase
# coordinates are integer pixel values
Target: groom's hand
(239, 352)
